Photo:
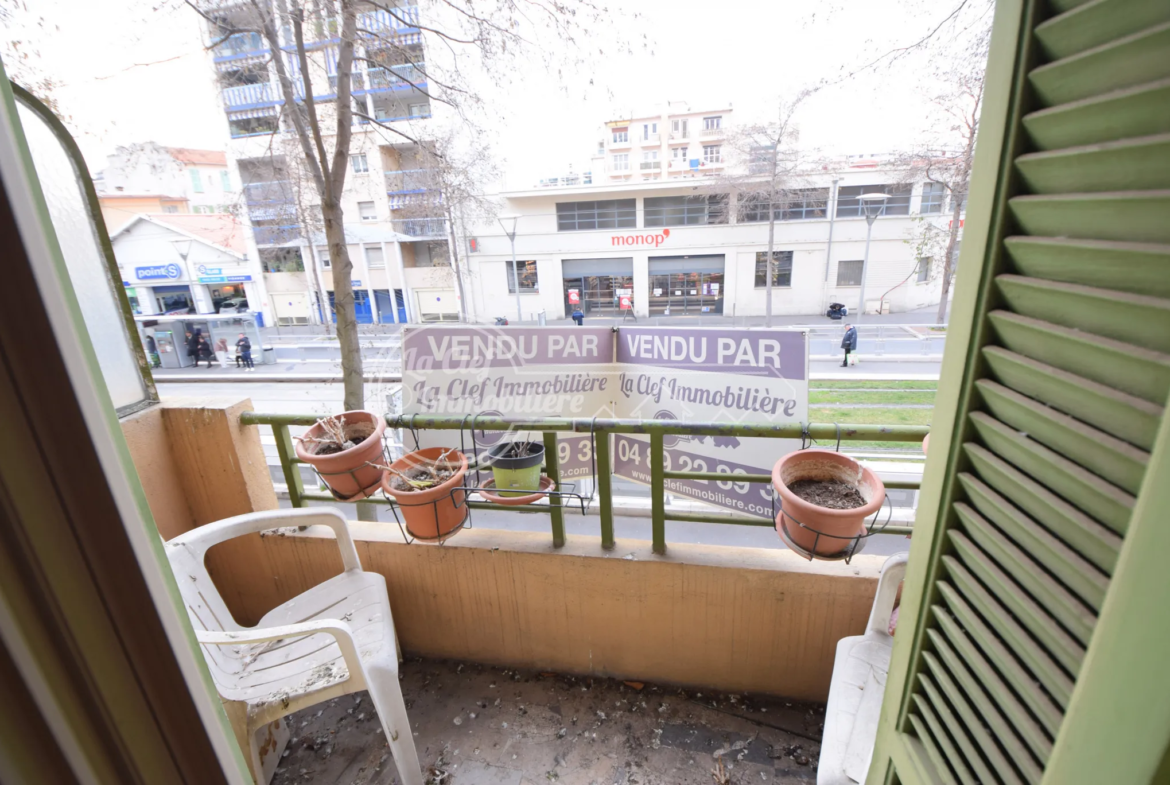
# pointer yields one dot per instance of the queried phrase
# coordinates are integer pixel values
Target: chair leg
(391, 708)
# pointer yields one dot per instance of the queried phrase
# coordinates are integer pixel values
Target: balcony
(566, 181)
(711, 133)
(239, 45)
(650, 166)
(404, 20)
(407, 181)
(249, 96)
(649, 139)
(400, 77)
(269, 194)
(621, 144)
(421, 228)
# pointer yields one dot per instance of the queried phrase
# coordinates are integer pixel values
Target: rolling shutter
(1061, 402)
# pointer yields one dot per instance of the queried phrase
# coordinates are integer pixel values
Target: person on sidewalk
(848, 343)
(221, 352)
(579, 316)
(203, 352)
(245, 348)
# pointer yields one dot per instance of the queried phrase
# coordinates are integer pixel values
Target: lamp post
(504, 223)
(872, 205)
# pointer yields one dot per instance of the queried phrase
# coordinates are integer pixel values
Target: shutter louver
(1064, 403)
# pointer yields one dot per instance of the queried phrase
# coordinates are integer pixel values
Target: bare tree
(465, 33)
(766, 176)
(947, 155)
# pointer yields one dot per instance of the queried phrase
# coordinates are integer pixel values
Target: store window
(606, 214)
(781, 269)
(527, 272)
(849, 202)
(849, 272)
(802, 204)
(686, 210)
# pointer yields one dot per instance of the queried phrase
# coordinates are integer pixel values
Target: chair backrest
(893, 572)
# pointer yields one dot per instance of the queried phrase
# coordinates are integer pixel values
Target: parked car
(234, 305)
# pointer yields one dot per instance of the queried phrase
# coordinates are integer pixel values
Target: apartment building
(399, 252)
(674, 246)
(148, 178)
(673, 144)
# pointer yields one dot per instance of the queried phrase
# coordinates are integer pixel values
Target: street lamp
(872, 205)
(505, 221)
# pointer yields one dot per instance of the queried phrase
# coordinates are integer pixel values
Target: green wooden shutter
(1040, 645)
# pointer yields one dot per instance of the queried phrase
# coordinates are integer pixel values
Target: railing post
(292, 475)
(604, 489)
(657, 492)
(552, 466)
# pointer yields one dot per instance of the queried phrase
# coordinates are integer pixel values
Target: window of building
(712, 123)
(170, 208)
(933, 196)
(849, 272)
(801, 204)
(225, 180)
(606, 214)
(678, 129)
(528, 282)
(374, 256)
(621, 162)
(650, 160)
(621, 135)
(367, 211)
(323, 255)
(923, 272)
(281, 260)
(420, 110)
(649, 132)
(849, 203)
(359, 163)
(679, 154)
(713, 153)
(781, 269)
(196, 181)
(685, 210)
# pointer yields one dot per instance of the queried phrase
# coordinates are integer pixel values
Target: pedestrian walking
(245, 348)
(848, 343)
(221, 352)
(579, 316)
(193, 346)
(203, 352)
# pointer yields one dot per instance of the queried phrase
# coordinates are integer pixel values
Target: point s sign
(641, 239)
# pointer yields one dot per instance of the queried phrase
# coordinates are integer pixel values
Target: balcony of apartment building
(410, 76)
(240, 45)
(249, 96)
(566, 180)
(407, 181)
(596, 643)
(421, 228)
(397, 20)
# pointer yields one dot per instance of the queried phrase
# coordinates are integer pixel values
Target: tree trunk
(347, 333)
(949, 260)
(453, 244)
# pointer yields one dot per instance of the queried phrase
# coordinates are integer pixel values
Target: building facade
(680, 249)
(673, 144)
(399, 252)
(148, 178)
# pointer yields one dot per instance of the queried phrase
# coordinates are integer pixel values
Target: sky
(135, 71)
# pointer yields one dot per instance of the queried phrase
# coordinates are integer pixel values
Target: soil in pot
(346, 450)
(426, 484)
(828, 493)
(516, 467)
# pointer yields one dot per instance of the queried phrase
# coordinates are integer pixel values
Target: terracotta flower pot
(350, 473)
(840, 525)
(432, 513)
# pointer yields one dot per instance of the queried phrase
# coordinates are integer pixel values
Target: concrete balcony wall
(723, 618)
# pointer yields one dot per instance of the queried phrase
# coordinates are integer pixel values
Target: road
(323, 398)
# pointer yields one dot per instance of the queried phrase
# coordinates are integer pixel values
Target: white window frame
(621, 137)
(648, 129)
(372, 215)
(713, 123)
(679, 127)
(650, 155)
(359, 163)
(679, 153)
(712, 153)
(418, 110)
(621, 162)
(371, 265)
(323, 257)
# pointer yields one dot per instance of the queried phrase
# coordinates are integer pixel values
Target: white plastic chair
(334, 639)
(859, 679)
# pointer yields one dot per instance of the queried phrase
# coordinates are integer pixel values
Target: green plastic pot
(516, 476)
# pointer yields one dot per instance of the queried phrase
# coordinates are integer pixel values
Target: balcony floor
(482, 725)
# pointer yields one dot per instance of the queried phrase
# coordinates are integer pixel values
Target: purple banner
(743, 352)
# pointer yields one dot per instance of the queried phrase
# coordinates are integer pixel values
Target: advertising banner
(511, 371)
(692, 374)
(699, 374)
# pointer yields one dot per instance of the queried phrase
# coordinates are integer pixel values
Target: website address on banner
(711, 496)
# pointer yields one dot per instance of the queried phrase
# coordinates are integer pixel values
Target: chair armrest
(202, 538)
(893, 571)
(340, 631)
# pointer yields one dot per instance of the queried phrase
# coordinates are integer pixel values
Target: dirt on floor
(481, 725)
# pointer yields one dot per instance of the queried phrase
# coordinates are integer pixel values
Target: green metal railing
(601, 430)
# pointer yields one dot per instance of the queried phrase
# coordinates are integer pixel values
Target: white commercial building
(679, 248)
